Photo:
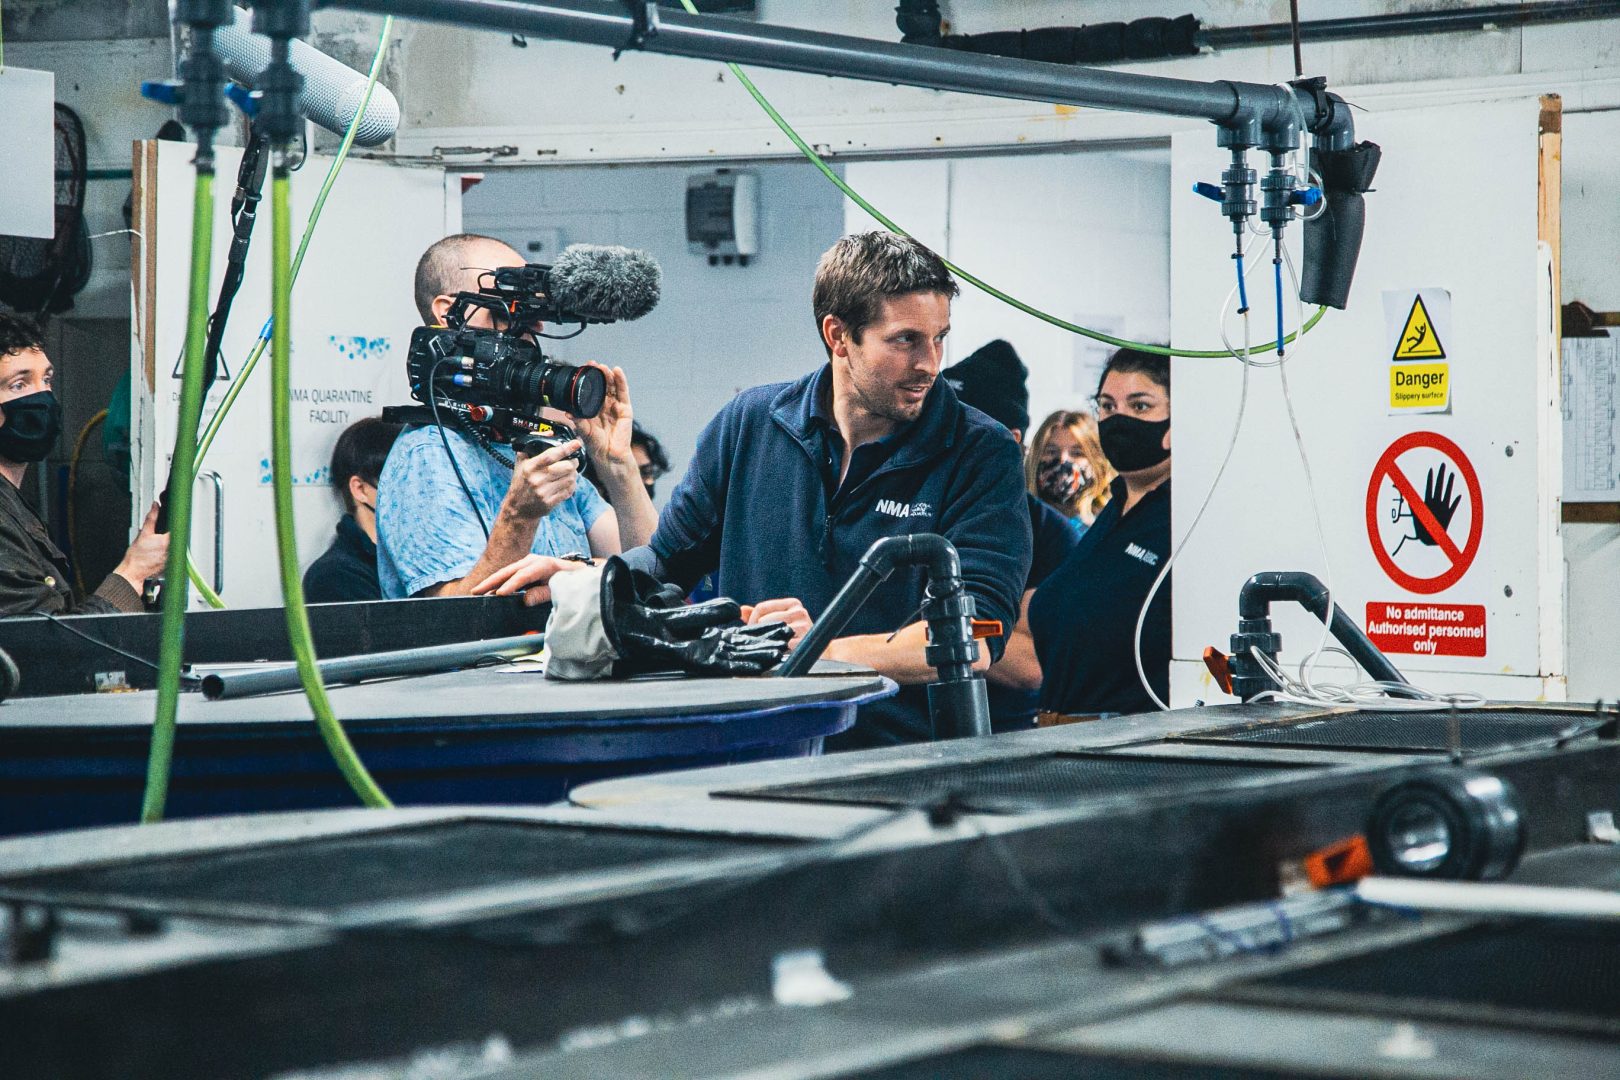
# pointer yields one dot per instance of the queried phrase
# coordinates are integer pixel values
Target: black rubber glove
(653, 630)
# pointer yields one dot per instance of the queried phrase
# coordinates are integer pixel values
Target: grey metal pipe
(856, 591)
(424, 661)
(1275, 586)
(708, 37)
(880, 560)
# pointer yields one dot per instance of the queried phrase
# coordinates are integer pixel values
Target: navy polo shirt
(1054, 537)
(1083, 616)
(761, 507)
(345, 571)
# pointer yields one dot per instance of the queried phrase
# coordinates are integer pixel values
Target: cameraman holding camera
(449, 514)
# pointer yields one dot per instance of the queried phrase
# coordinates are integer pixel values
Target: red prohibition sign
(1461, 559)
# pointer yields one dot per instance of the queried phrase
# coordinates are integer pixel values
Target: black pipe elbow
(1273, 586)
(928, 549)
(1255, 631)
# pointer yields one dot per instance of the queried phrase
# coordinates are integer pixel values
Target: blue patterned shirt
(427, 532)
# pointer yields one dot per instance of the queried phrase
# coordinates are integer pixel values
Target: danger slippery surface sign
(1419, 322)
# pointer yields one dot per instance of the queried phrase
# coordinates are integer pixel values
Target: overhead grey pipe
(709, 37)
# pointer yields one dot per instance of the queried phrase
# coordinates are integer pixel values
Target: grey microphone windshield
(332, 91)
(605, 284)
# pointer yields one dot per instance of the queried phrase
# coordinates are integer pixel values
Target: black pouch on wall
(1333, 237)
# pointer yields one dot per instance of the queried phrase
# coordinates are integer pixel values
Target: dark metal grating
(373, 997)
(1019, 1063)
(328, 873)
(1554, 973)
(1042, 782)
(1481, 730)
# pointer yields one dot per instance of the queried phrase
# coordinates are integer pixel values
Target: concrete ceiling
(84, 20)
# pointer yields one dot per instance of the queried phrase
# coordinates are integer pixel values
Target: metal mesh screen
(1481, 730)
(367, 997)
(1046, 781)
(1017, 1063)
(1568, 972)
(327, 873)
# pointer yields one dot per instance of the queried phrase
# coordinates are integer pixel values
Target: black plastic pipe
(1411, 24)
(958, 703)
(1164, 38)
(424, 661)
(880, 560)
(1263, 590)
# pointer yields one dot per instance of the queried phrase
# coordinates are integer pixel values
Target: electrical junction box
(541, 245)
(722, 216)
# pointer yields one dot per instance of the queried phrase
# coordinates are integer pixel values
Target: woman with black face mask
(34, 574)
(1083, 617)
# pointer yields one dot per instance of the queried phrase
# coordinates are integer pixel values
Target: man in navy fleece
(792, 482)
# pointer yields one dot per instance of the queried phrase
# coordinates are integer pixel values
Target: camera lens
(1418, 837)
(587, 392)
(579, 391)
(1449, 823)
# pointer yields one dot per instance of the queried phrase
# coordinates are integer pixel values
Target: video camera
(494, 381)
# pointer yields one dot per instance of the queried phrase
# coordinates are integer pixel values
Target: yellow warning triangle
(1419, 340)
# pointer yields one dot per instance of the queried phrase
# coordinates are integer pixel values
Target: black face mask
(1058, 481)
(1132, 445)
(33, 424)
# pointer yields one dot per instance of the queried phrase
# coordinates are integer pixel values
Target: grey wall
(717, 330)
(1083, 235)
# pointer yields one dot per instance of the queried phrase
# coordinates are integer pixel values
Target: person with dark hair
(793, 482)
(994, 380)
(652, 461)
(34, 574)
(348, 569)
(1084, 615)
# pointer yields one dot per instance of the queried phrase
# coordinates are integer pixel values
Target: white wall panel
(1082, 235)
(1483, 249)
(351, 324)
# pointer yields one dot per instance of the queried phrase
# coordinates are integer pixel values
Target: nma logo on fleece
(904, 510)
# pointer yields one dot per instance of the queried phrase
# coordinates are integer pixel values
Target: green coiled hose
(175, 594)
(979, 283)
(292, 585)
(218, 419)
(188, 458)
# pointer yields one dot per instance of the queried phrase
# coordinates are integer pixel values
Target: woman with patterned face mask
(34, 574)
(1066, 468)
(1083, 617)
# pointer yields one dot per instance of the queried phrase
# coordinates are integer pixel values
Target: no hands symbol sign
(1425, 512)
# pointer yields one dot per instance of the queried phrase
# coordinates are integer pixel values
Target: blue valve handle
(1303, 197)
(167, 92)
